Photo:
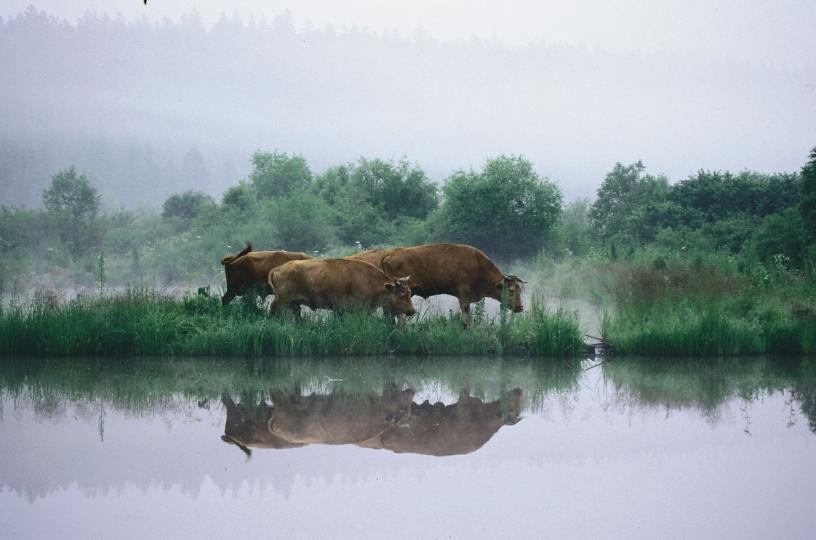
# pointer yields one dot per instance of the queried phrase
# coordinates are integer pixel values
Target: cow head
(512, 285)
(237, 279)
(399, 296)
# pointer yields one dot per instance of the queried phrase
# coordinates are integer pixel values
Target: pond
(408, 447)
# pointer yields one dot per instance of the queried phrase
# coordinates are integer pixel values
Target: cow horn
(406, 278)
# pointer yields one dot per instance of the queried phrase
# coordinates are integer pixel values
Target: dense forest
(505, 207)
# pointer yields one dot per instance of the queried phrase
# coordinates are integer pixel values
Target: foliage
(71, 194)
(572, 234)
(277, 174)
(400, 190)
(72, 205)
(187, 205)
(506, 209)
(693, 306)
(374, 200)
(302, 223)
(630, 202)
(632, 207)
(146, 322)
(807, 204)
(780, 233)
(241, 197)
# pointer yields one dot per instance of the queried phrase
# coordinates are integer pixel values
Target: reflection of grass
(142, 322)
(143, 385)
(706, 385)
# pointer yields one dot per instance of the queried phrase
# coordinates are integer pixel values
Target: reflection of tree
(148, 387)
(707, 385)
(808, 405)
(805, 392)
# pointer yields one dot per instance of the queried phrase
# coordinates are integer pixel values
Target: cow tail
(229, 258)
(270, 282)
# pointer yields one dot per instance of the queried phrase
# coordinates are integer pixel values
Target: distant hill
(152, 108)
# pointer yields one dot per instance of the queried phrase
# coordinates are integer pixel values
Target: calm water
(350, 448)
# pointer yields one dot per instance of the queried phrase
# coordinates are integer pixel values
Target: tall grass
(709, 308)
(144, 322)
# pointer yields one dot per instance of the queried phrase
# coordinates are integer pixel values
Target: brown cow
(295, 421)
(339, 419)
(248, 426)
(338, 284)
(391, 422)
(455, 269)
(249, 268)
(448, 430)
(374, 256)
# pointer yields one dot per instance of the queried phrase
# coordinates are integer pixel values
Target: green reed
(144, 322)
(708, 311)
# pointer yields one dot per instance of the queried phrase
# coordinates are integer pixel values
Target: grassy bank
(143, 322)
(708, 307)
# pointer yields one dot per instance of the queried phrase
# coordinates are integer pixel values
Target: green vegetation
(141, 322)
(715, 264)
(705, 309)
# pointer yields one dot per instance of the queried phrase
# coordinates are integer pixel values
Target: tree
(187, 205)
(71, 194)
(630, 204)
(72, 204)
(506, 209)
(373, 199)
(395, 190)
(779, 234)
(807, 200)
(714, 195)
(241, 197)
(807, 211)
(279, 175)
(573, 228)
(302, 222)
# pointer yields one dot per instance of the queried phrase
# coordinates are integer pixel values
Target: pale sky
(778, 32)
(735, 90)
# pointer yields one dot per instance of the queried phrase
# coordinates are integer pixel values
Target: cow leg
(295, 307)
(273, 308)
(464, 305)
(227, 298)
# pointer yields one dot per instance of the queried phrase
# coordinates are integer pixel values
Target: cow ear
(389, 286)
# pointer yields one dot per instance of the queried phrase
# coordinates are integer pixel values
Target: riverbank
(145, 322)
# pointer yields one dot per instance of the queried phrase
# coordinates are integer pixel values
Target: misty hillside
(147, 109)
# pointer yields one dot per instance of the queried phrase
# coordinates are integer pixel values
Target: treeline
(506, 208)
(758, 215)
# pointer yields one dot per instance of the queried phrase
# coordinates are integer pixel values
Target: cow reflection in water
(391, 421)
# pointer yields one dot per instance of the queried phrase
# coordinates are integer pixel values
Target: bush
(507, 210)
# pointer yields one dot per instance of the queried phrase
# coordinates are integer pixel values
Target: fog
(172, 100)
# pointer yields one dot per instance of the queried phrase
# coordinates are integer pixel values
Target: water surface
(448, 448)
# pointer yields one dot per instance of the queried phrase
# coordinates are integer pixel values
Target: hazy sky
(779, 32)
(579, 85)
